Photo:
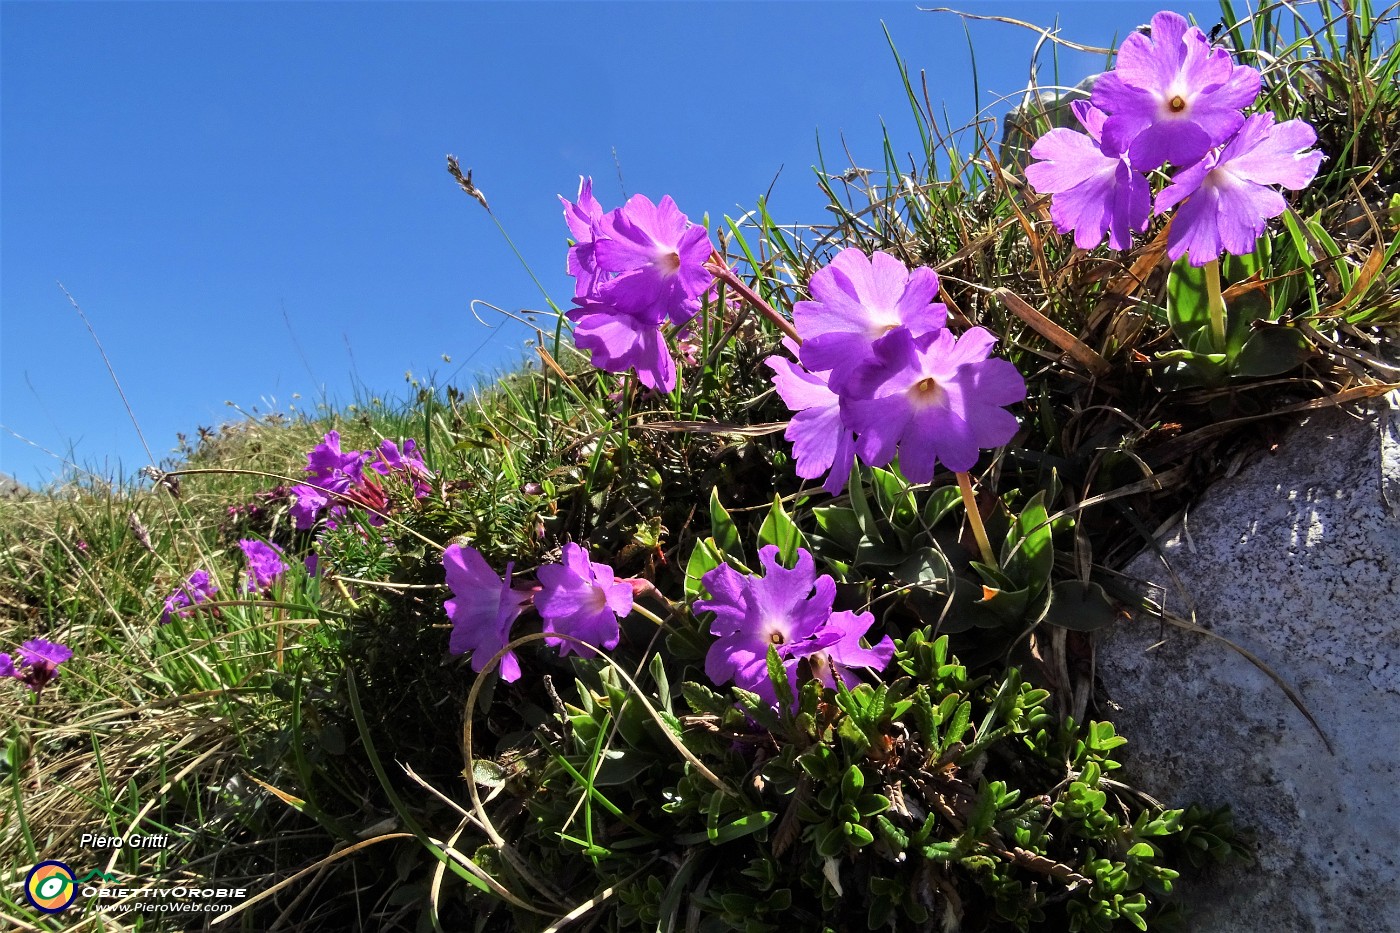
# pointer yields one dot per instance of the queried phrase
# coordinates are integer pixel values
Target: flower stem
(646, 613)
(1215, 304)
(727, 275)
(974, 517)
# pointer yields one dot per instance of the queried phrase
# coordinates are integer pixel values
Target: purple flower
(582, 599)
(658, 257)
(333, 469)
(935, 398)
(388, 458)
(1172, 97)
(1095, 188)
(789, 610)
(307, 505)
(846, 652)
(196, 589)
(821, 442)
(637, 267)
(482, 610)
(858, 299)
(1227, 199)
(265, 565)
(583, 217)
(38, 663)
(312, 563)
(391, 458)
(619, 341)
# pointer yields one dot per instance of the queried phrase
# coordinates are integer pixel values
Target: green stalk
(1215, 304)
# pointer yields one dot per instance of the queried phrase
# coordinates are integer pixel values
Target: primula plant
(1175, 99)
(764, 595)
(35, 664)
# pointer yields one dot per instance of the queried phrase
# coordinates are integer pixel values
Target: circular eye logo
(50, 886)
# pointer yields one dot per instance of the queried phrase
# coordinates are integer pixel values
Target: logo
(50, 886)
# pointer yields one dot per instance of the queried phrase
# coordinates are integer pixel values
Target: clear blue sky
(249, 200)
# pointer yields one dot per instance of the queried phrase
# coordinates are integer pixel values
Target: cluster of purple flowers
(881, 375)
(265, 564)
(636, 268)
(196, 589)
(36, 663)
(576, 597)
(790, 611)
(340, 477)
(1173, 99)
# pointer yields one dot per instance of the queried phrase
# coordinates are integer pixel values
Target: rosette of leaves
(892, 534)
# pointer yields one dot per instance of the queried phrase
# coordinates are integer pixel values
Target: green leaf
(621, 767)
(778, 529)
(1029, 555)
(927, 567)
(956, 727)
(777, 673)
(941, 501)
(872, 804)
(872, 554)
(860, 504)
(1188, 310)
(894, 497)
(1080, 606)
(840, 525)
(831, 843)
(737, 829)
(858, 834)
(726, 536)
(657, 668)
(744, 826)
(940, 851)
(852, 783)
(703, 558)
(998, 607)
(1270, 350)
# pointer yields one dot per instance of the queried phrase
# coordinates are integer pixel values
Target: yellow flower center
(1177, 104)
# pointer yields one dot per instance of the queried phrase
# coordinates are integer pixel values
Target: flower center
(926, 392)
(670, 263)
(775, 638)
(1177, 104)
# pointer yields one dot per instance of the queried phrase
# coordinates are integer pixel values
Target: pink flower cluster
(576, 597)
(265, 565)
(881, 376)
(1173, 99)
(340, 478)
(197, 588)
(790, 611)
(36, 663)
(636, 269)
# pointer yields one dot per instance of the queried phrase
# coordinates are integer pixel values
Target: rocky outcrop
(1297, 560)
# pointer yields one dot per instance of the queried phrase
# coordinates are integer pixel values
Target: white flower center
(669, 263)
(926, 392)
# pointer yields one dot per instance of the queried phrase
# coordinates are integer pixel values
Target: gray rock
(1296, 559)
(11, 488)
(1038, 112)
